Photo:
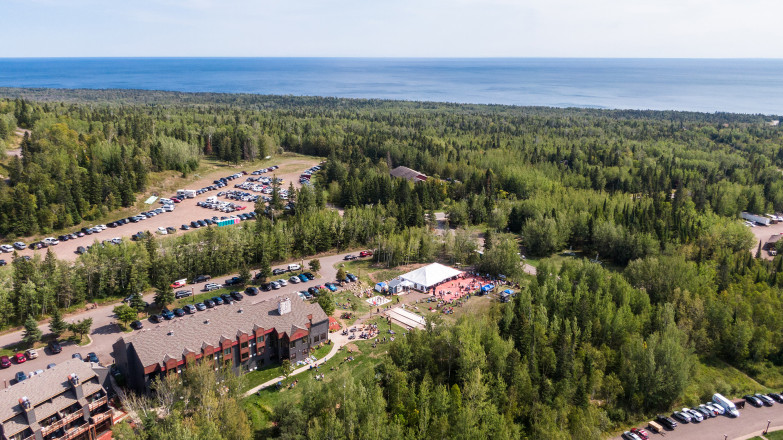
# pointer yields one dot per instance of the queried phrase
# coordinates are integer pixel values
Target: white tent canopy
(431, 275)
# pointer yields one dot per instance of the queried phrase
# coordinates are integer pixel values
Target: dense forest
(583, 348)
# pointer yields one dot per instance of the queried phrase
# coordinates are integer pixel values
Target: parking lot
(184, 213)
(751, 422)
(762, 234)
(105, 332)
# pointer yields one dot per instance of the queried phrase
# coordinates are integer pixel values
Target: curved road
(105, 332)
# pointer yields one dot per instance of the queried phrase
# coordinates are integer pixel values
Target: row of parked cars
(250, 215)
(305, 177)
(718, 406)
(233, 194)
(166, 314)
(265, 170)
(30, 354)
(51, 241)
(217, 205)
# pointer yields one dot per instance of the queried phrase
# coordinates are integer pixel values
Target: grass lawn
(260, 406)
(321, 351)
(257, 377)
(345, 299)
(775, 435)
(715, 376)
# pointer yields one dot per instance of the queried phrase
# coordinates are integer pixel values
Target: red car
(5, 362)
(178, 283)
(365, 254)
(19, 358)
(641, 433)
(175, 200)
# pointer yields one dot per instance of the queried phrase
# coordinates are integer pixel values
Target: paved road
(105, 332)
(184, 212)
(751, 422)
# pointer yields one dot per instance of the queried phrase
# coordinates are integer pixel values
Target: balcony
(98, 403)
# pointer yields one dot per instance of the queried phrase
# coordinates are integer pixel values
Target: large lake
(733, 85)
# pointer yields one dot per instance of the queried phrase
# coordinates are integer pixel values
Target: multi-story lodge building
(65, 402)
(243, 336)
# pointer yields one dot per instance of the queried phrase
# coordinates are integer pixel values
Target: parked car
(201, 279)
(331, 286)
(137, 325)
(294, 267)
(695, 415)
(233, 281)
(31, 354)
(209, 303)
(92, 357)
(190, 308)
(55, 347)
(274, 285)
(20, 246)
(19, 358)
(5, 362)
(20, 376)
(351, 277)
(628, 435)
(237, 296)
(179, 283)
(3, 263)
(282, 282)
(266, 287)
(682, 417)
(76, 356)
(778, 398)
(294, 280)
(666, 421)
(182, 294)
(303, 278)
(217, 300)
(52, 365)
(719, 410)
(227, 298)
(201, 307)
(705, 412)
(766, 400)
(753, 400)
(278, 271)
(6, 248)
(178, 312)
(349, 257)
(80, 250)
(185, 227)
(252, 291)
(309, 275)
(156, 319)
(641, 433)
(365, 254)
(167, 314)
(211, 286)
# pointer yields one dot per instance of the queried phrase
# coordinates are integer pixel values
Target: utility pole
(767, 430)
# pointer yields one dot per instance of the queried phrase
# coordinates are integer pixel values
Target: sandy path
(184, 213)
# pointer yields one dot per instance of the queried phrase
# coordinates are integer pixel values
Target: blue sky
(393, 28)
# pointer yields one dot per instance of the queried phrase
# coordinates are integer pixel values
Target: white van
(726, 404)
(293, 267)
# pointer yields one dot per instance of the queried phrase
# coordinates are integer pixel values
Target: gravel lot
(184, 213)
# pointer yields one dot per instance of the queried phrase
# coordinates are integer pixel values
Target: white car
(294, 280)
(717, 408)
(162, 231)
(695, 415)
(168, 208)
(282, 282)
(51, 241)
(6, 248)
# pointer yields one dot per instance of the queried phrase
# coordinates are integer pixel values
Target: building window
(260, 339)
(293, 344)
(323, 336)
(244, 356)
(227, 352)
(243, 345)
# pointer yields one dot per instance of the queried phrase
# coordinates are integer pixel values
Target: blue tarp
(487, 288)
(508, 291)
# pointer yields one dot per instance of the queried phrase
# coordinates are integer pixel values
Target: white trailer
(190, 193)
(760, 219)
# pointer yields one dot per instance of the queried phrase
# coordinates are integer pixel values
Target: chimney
(284, 306)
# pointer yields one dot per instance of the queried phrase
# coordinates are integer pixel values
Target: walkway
(338, 341)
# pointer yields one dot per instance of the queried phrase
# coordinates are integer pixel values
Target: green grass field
(260, 406)
(775, 435)
(715, 376)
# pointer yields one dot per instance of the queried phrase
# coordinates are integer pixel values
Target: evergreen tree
(164, 295)
(57, 324)
(315, 265)
(32, 333)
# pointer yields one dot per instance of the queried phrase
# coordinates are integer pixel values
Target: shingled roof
(44, 386)
(194, 332)
(407, 173)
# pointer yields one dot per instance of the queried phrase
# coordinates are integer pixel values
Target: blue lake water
(708, 85)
